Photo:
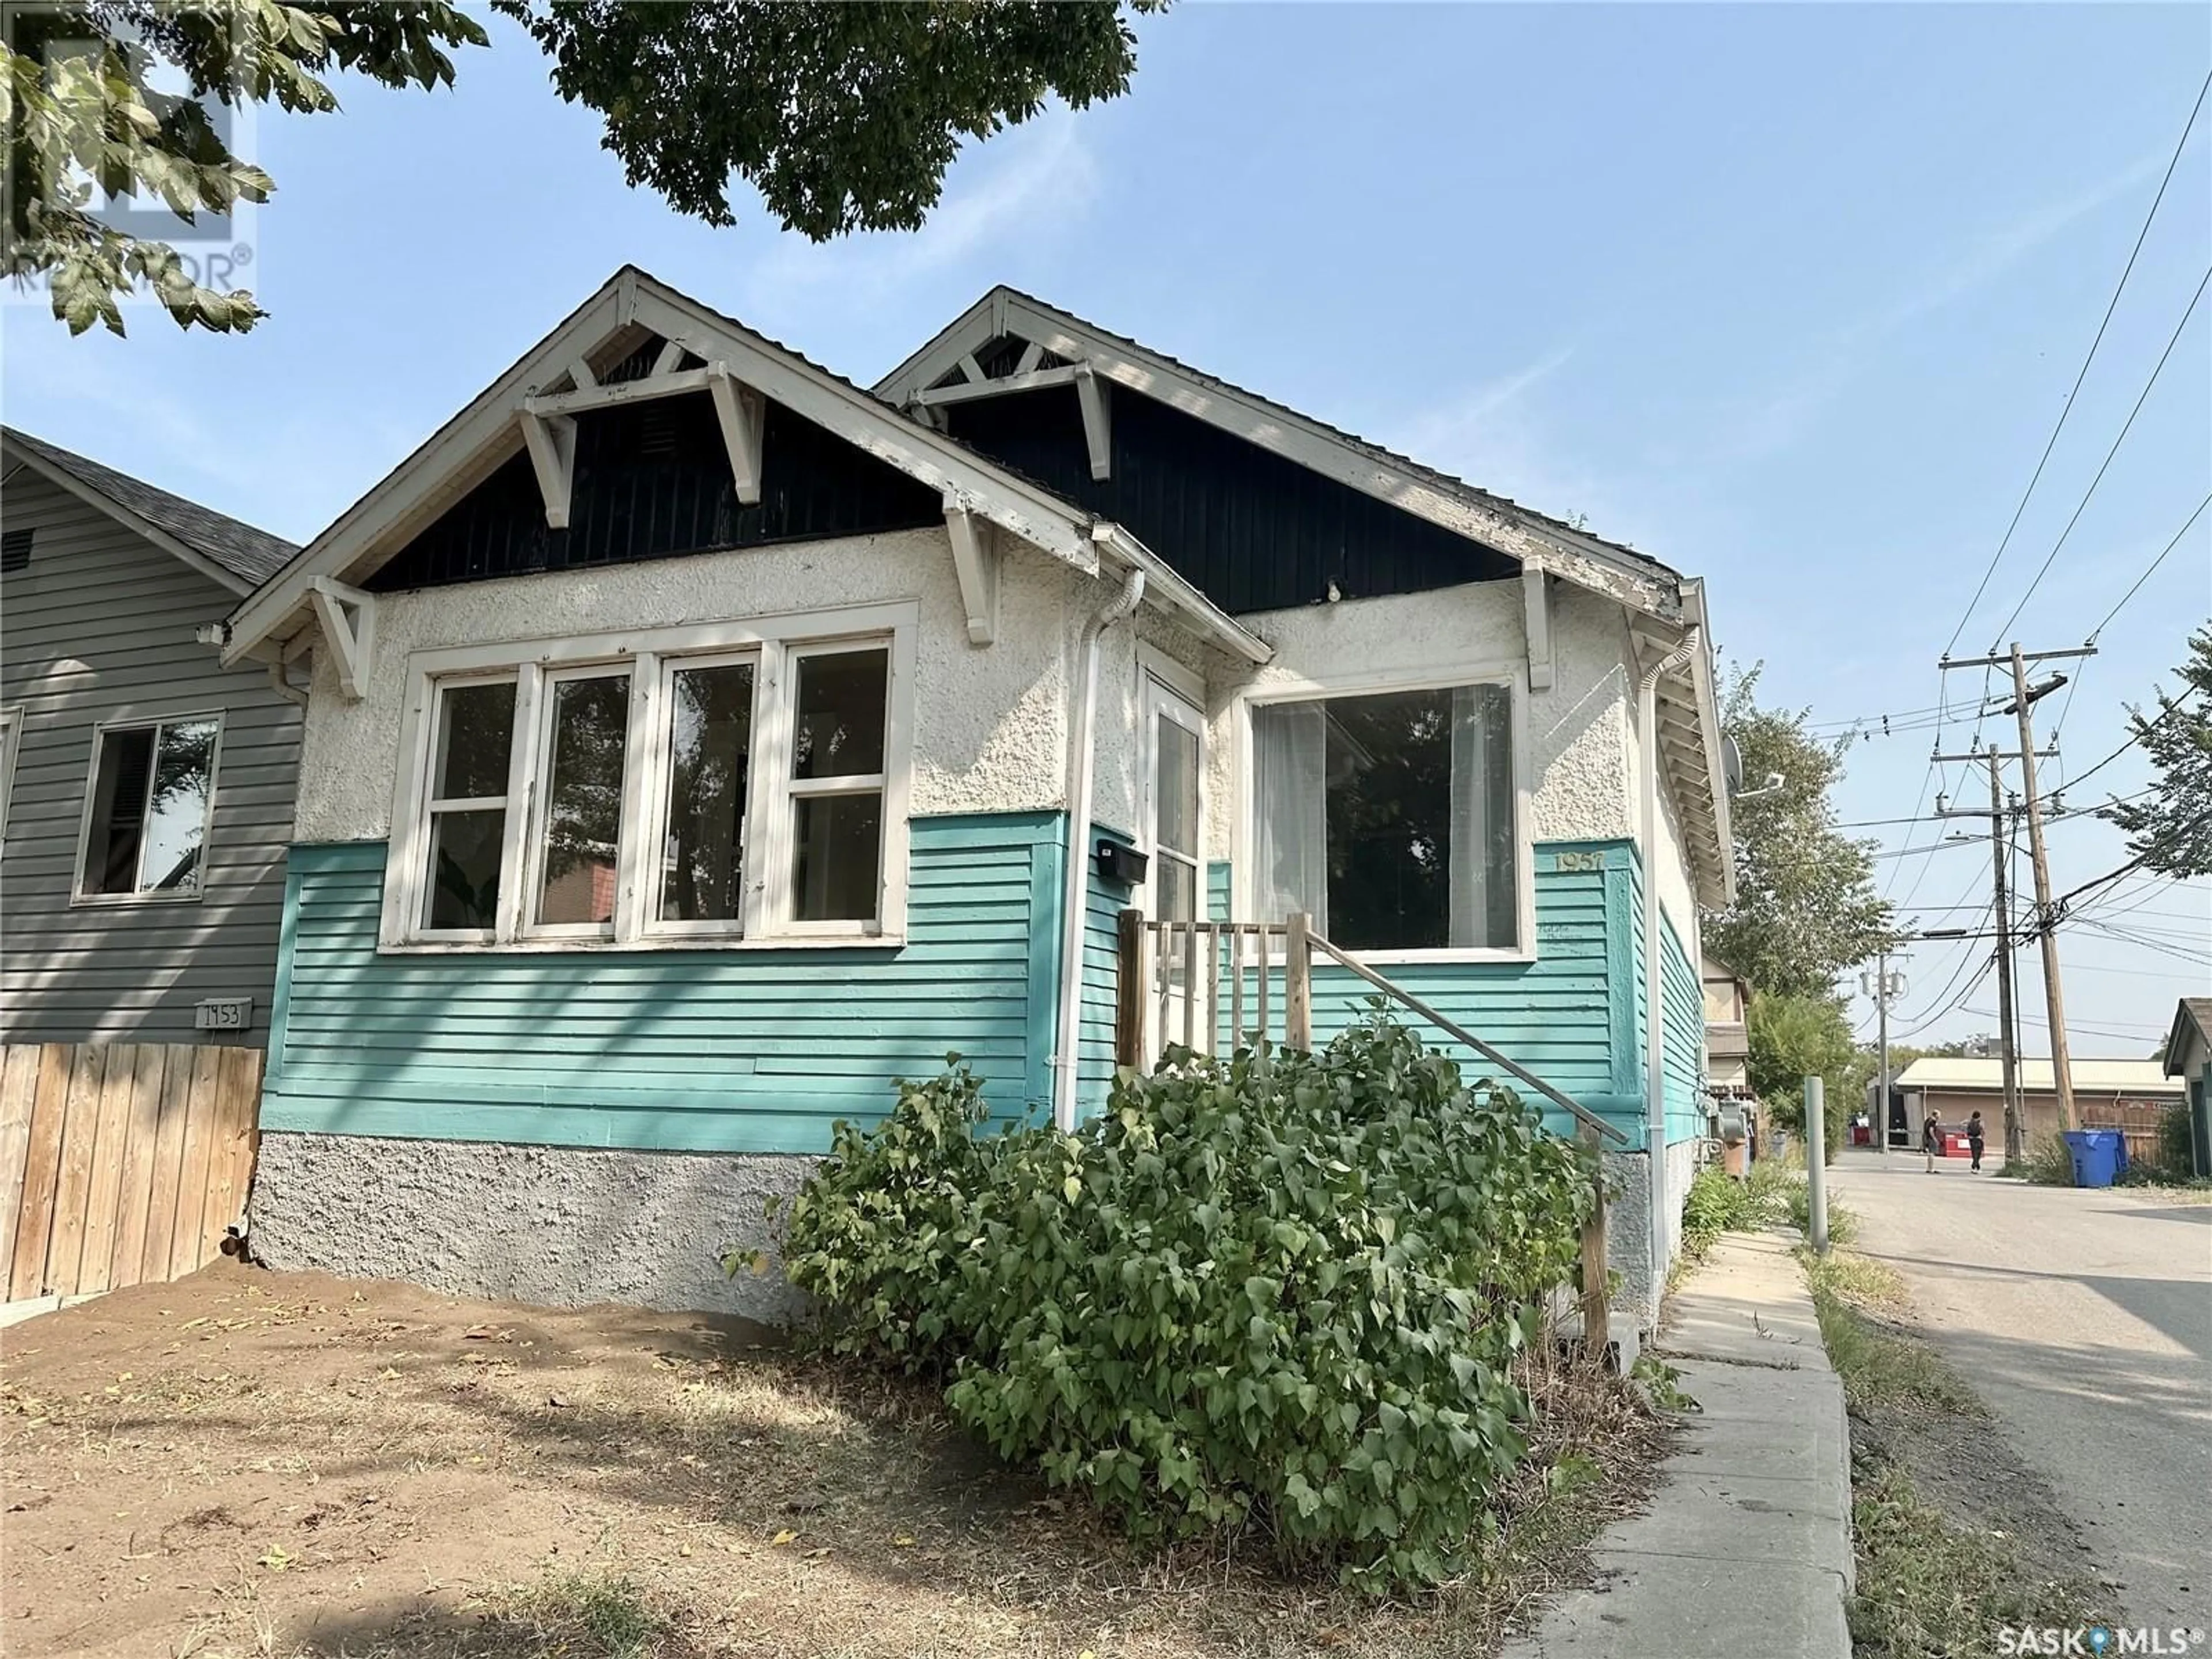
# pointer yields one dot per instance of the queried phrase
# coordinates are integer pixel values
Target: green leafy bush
(1282, 1295)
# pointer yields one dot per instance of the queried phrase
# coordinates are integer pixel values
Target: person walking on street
(1932, 1136)
(1975, 1136)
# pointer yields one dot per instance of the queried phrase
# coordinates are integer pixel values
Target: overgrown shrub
(1277, 1294)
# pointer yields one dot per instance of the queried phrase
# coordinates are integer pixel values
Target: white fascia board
(1709, 729)
(1297, 438)
(62, 479)
(1167, 590)
(467, 448)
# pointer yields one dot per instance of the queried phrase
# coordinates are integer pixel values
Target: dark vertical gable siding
(99, 627)
(652, 481)
(1254, 531)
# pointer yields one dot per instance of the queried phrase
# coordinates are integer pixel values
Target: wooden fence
(120, 1164)
(1175, 981)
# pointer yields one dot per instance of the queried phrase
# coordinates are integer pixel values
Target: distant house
(2112, 1094)
(699, 741)
(2188, 1058)
(145, 790)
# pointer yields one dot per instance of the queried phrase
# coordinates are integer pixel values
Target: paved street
(2085, 1320)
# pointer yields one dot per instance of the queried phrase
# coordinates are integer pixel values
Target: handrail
(1588, 1119)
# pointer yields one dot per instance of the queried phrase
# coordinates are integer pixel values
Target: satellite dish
(1731, 764)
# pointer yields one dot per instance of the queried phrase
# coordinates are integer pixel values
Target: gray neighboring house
(146, 793)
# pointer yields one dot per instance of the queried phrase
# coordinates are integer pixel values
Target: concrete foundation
(560, 1226)
(1629, 1217)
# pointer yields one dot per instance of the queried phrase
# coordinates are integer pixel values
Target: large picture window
(720, 784)
(146, 822)
(1390, 818)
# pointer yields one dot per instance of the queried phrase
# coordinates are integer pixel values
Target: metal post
(2062, 1071)
(1881, 1018)
(1816, 1161)
(2007, 1058)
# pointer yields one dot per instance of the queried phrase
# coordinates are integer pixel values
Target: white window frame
(11, 737)
(80, 899)
(1513, 676)
(772, 644)
(510, 804)
(1165, 687)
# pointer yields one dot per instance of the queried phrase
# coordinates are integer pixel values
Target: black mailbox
(1121, 862)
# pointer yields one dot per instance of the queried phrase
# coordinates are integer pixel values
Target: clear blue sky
(1788, 296)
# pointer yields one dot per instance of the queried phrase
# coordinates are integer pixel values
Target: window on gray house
(151, 789)
(1389, 819)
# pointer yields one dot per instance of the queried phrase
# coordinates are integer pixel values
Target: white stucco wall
(1579, 733)
(1673, 880)
(990, 722)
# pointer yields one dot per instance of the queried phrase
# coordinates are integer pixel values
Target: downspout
(1081, 729)
(280, 683)
(1654, 1043)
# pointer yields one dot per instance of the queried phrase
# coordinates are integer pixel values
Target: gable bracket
(348, 617)
(551, 441)
(975, 561)
(1536, 608)
(742, 412)
(1097, 429)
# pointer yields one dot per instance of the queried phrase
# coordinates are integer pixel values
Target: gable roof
(242, 557)
(1613, 569)
(629, 309)
(2192, 1028)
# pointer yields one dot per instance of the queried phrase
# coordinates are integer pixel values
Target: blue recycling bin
(2098, 1155)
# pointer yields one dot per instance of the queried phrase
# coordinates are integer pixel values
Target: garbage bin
(2098, 1155)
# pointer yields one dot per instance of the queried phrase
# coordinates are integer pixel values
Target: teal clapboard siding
(1682, 1036)
(692, 1050)
(1572, 1015)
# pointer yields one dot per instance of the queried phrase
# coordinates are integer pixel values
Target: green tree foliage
(82, 111)
(1806, 906)
(2171, 831)
(1282, 1300)
(843, 115)
(1792, 1038)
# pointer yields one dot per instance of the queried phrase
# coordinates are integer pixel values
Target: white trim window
(731, 784)
(11, 733)
(149, 802)
(1395, 815)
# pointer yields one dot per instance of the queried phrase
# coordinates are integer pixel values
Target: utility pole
(2062, 1071)
(1885, 986)
(2007, 1058)
(2023, 702)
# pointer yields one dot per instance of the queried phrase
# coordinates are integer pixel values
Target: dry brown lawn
(286, 1464)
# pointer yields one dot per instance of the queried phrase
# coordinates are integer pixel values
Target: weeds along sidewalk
(1746, 1547)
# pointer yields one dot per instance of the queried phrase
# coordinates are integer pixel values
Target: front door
(1174, 763)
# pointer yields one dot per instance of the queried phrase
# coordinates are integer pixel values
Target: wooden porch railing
(1168, 985)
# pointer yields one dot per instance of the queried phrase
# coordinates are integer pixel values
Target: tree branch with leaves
(2170, 831)
(844, 116)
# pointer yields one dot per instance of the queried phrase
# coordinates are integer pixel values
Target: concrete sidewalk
(1747, 1547)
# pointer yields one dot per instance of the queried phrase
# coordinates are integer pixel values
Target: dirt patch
(289, 1464)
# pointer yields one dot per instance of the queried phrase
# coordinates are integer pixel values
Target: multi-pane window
(1390, 819)
(467, 805)
(674, 793)
(146, 826)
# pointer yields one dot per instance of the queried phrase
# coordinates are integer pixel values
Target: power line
(2155, 564)
(2126, 427)
(2113, 305)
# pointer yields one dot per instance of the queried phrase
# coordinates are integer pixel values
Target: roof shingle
(251, 554)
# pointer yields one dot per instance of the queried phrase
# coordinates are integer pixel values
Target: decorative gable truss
(638, 339)
(549, 420)
(1011, 363)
